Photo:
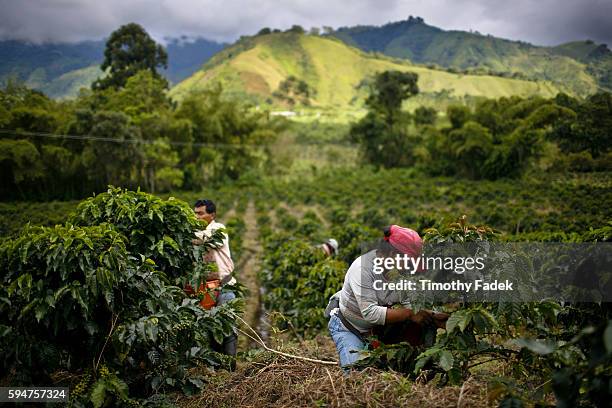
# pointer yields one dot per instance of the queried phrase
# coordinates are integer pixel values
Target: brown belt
(350, 327)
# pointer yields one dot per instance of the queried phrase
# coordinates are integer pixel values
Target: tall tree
(383, 132)
(389, 90)
(128, 50)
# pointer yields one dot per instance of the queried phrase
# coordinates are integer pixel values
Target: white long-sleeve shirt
(220, 255)
(362, 305)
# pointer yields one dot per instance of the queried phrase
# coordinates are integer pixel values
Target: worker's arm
(421, 317)
(403, 314)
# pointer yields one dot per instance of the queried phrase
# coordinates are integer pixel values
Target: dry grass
(270, 380)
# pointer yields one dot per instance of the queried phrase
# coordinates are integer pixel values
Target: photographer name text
(456, 285)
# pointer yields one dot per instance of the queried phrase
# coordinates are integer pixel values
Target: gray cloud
(545, 22)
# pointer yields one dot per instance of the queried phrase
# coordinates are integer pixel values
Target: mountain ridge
(60, 69)
(270, 69)
(580, 67)
(453, 49)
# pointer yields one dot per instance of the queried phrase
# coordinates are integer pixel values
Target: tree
(383, 132)
(591, 129)
(389, 90)
(457, 115)
(471, 146)
(264, 31)
(128, 50)
(389, 146)
(20, 164)
(425, 116)
(160, 172)
(143, 94)
(107, 161)
(233, 127)
(296, 29)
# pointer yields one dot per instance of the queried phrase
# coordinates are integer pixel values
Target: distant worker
(359, 308)
(206, 210)
(330, 247)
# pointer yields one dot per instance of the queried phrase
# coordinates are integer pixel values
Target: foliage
(21, 162)
(590, 129)
(95, 295)
(500, 138)
(133, 136)
(460, 231)
(424, 115)
(234, 130)
(292, 90)
(285, 276)
(382, 134)
(157, 229)
(388, 90)
(130, 49)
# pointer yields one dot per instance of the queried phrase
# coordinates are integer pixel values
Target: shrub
(88, 300)
(161, 230)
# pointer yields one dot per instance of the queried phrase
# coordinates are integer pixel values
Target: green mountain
(61, 69)
(283, 69)
(571, 67)
(56, 69)
(597, 57)
(285, 64)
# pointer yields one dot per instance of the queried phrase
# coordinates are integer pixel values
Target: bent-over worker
(358, 307)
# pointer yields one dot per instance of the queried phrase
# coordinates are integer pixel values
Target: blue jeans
(225, 296)
(348, 345)
(230, 342)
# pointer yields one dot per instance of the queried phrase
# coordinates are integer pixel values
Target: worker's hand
(423, 317)
(439, 319)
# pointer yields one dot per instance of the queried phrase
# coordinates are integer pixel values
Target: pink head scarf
(405, 240)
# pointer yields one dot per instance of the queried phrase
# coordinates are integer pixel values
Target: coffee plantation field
(92, 297)
(114, 284)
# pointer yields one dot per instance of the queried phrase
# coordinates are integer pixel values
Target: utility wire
(14, 132)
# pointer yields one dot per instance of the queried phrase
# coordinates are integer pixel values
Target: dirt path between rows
(247, 273)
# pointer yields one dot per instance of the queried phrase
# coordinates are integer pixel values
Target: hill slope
(597, 57)
(256, 68)
(421, 43)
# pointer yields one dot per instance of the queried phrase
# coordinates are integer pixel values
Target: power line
(15, 132)
(113, 140)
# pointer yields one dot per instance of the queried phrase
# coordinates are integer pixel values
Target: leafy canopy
(128, 50)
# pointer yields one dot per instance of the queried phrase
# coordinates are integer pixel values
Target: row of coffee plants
(572, 203)
(296, 276)
(99, 300)
(552, 348)
(567, 204)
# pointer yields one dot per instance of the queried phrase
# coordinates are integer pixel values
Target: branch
(261, 343)
(113, 323)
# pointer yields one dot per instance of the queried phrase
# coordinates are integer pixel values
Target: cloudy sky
(544, 22)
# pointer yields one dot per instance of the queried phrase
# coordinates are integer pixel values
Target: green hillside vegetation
(336, 74)
(585, 51)
(419, 42)
(598, 58)
(61, 69)
(58, 69)
(67, 85)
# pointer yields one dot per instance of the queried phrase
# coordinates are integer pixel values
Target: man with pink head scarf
(358, 308)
